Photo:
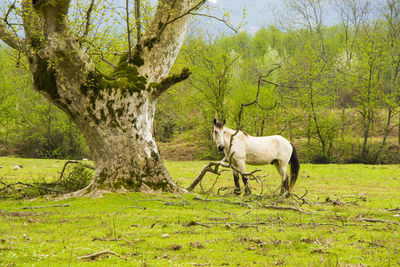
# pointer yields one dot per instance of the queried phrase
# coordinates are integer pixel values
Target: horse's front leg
(237, 190)
(241, 165)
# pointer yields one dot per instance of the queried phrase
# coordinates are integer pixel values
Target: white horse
(256, 151)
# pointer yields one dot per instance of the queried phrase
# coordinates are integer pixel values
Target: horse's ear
(215, 121)
(224, 121)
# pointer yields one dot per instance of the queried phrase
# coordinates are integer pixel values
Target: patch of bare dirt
(180, 150)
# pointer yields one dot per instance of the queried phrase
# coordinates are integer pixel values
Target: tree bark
(115, 112)
(123, 150)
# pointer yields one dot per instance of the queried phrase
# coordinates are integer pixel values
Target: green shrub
(79, 177)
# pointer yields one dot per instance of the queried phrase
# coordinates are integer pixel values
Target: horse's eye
(215, 132)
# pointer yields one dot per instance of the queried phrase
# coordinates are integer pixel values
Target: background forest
(334, 91)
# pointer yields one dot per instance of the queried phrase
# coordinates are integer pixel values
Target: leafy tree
(114, 111)
(391, 15)
(31, 126)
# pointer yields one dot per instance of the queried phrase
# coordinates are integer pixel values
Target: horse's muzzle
(221, 148)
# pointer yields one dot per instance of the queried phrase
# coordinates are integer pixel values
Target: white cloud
(213, 1)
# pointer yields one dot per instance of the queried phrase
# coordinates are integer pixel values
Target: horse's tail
(294, 168)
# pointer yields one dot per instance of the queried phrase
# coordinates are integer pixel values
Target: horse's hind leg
(282, 169)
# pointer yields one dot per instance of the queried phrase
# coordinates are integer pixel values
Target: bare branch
(88, 15)
(138, 21)
(107, 61)
(163, 23)
(44, 207)
(213, 168)
(230, 26)
(128, 31)
(97, 254)
(196, 7)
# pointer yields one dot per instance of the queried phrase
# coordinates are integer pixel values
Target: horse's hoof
(285, 193)
(247, 192)
(237, 191)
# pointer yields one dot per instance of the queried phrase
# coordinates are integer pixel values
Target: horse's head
(218, 134)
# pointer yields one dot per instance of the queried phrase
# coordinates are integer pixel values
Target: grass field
(352, 219)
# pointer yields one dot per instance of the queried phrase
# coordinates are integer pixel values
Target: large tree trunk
(123, 149)
(115, 112)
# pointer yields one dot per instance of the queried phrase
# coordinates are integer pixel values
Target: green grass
(164, 233)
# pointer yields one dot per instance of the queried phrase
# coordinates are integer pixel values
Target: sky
(259, 13)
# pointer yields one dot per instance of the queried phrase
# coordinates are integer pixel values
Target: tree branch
(10, 38)
(138, 22)
(171, 80)
(128, 31)
(97, 254)
(88, 15)
(159, 34)
(230, 26)
(196, 7)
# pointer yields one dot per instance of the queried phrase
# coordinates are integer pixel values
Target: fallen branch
(395, 209)
(302, 199)
(169, 203)
(230, 224)
(213, 168)
(241, 203)
(276, 207)
(223, 211)
(14, 187)
(43, 207)
(97, 254)
(377, 220)
(192, 223)
(317, 224)
(129, 207)
(336, 202)
(23, 189)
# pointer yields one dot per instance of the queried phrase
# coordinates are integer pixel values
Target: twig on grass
(317, 224)
(8, 189)
(276, 207)
(302, 200)
(97, 254)
(192, 223)
(43, 207)
(183, 203)
(374, 220)
(226, 188)
(337, 202)
(230, 224)
(223, 211)
(241, 203)
(395, 209)
(129, 207)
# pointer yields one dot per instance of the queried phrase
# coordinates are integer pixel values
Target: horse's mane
(233, 131)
